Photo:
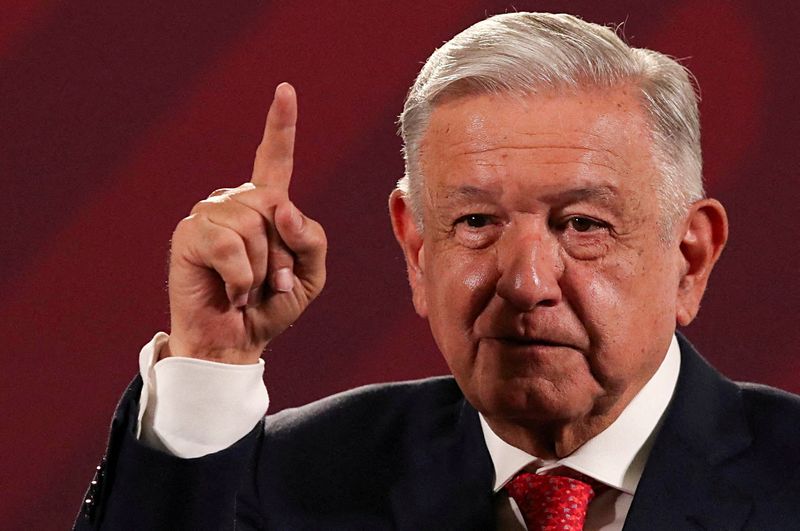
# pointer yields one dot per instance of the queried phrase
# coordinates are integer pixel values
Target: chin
(536, 401)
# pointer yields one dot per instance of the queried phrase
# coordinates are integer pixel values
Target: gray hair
(521, 53)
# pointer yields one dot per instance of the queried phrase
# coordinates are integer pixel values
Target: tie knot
(552, 502)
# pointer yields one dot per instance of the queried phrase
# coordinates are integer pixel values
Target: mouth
(521, 341)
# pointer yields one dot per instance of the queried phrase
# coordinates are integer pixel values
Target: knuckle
(251, 223)
(260, 199)
(316, 235)
(242, 188)
(225, 193)
(223, 246)
(237, 286)
(319, 244)
(185, 227)
(219, 192)
(241, 278)
(323, 238)
(205, 205)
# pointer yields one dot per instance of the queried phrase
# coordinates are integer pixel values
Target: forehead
(548, 139)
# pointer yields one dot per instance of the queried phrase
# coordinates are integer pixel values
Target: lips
(521, 341)
(525, 343)
(543, 330)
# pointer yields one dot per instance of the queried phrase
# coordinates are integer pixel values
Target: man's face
(540, 267)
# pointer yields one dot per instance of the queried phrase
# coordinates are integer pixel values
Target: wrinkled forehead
(602, 130)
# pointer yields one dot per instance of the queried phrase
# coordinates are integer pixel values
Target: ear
(704, 233)
(410, 240)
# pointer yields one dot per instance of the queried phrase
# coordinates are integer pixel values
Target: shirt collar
(617, 455)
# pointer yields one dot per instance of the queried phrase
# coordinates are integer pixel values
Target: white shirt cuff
(191, 407)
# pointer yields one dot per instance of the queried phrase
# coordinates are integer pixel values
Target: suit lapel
(684, 484)
(450, 487)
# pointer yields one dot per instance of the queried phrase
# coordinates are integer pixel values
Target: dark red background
(115, 120)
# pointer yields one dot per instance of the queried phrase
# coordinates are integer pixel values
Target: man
(555, 229)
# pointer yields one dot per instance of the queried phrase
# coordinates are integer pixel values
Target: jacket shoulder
(353, 448)
(773, 414)
(369, 409)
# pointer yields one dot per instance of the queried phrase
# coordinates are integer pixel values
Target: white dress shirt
(190, 408)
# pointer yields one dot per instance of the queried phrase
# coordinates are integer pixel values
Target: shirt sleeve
(191, 407)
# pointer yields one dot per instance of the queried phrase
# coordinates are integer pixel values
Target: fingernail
(240, 300)
(283, 279)
(282, 83)
(254, 297)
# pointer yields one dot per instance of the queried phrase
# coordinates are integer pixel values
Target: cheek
(460, 285)
(621, 284)
(595, 298)
(600, 294)
(604, 292)
(624, 307)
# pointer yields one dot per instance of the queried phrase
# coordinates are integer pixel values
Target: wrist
(174, 347)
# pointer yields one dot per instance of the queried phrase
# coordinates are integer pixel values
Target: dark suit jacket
(412, 456)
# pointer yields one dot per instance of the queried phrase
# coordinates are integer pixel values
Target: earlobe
(408, 236)
(704, 236)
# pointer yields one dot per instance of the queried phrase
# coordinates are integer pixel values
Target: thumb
(306, 239)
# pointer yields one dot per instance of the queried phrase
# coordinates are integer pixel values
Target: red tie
(550, 503)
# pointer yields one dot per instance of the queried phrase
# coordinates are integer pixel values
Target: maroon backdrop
(115, 120)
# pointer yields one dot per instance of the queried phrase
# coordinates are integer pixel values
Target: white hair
(522, 53)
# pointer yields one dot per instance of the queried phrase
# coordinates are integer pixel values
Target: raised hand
(246, 262)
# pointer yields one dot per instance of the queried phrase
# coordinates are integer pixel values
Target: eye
(476, 231)
(584, 224)
(585, 238)
(475, 221)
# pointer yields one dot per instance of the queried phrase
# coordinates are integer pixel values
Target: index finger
(275, 154)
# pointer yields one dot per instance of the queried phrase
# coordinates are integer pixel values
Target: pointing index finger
(275, 155)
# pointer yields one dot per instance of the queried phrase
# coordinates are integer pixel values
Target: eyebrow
(471, 193)
(600, 194)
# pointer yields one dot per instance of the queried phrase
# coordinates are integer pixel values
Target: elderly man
(555, 229)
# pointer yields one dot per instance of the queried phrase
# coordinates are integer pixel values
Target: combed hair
(524, 53)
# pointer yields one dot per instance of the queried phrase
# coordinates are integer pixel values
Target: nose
(530, 267)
